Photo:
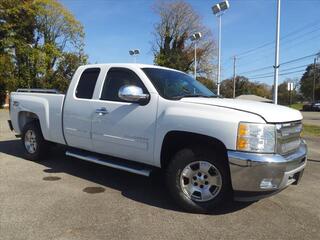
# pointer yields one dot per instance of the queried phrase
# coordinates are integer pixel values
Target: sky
(113, 27)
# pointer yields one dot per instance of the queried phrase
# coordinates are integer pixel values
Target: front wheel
(34, 144)
(198, 179)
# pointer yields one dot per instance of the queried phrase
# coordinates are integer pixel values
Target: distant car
(307, 107)
(315, 106)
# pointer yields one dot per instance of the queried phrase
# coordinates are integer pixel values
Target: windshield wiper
(193, 95)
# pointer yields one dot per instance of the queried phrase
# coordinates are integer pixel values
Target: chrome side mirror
(132, 93)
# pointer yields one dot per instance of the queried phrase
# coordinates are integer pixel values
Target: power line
(254, 49)
(300, 42)
(287, 73)
(282, 74)
(299, 59)
(284, 63)
(264, 57)
(285, 45)
(294, 67)
(288, 42)
(256, 70)
(298, 34)
(312, 24)
(282, 71)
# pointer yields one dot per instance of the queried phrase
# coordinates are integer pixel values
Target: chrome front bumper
(255, 176)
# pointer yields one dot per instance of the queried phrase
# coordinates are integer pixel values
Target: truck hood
(269, 112)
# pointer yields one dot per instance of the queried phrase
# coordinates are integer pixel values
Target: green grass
(297, 106)
(311, 130)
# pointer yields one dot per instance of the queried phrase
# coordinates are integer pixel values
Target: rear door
(124, 129)
(79, 108)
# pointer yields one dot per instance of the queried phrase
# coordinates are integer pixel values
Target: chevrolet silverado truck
(140, 118)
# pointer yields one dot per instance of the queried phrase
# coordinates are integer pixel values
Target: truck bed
(46, 104)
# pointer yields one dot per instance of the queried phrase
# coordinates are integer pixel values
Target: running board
(112, 162)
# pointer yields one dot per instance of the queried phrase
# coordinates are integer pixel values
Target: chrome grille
(288, 137)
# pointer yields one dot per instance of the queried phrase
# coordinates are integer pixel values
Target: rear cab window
(87, 83)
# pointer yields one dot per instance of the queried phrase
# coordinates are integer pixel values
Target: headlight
(256, 137)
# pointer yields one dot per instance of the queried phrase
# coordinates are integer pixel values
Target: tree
(284, 94)
(306, 82)
(38, 38)
(208, 83)
(6, 73)
(173, 47)
(66, 67)
(58, 29)
(244, 86)
(17, 22)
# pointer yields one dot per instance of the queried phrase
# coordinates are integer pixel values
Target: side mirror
(132, 93)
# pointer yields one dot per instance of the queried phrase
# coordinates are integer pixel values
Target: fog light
(266, 183)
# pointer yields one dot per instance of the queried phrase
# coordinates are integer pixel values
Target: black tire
(187, 156)
(41, 144)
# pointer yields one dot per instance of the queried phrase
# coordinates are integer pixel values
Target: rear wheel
(198, 179)
(34, 144)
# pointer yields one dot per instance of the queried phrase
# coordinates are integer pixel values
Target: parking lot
(311, 118)
(65, 198)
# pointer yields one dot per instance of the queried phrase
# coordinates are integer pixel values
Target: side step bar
(112, 162)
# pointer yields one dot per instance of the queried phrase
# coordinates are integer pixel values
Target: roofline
(139, 65)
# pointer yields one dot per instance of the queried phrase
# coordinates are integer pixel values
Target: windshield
(176, 85)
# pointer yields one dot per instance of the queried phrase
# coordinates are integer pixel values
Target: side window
(116, 78)
(87, 83)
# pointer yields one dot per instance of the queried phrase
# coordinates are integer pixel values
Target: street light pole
(276, 64)
(218, 10)
(219, 55)
(290, 89)
(234, 76)
(194, 38)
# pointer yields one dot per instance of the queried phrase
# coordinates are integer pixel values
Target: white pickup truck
(138, 118)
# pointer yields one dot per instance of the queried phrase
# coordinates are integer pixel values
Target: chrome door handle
(102, 111)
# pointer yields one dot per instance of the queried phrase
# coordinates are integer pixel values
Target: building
(254, 98)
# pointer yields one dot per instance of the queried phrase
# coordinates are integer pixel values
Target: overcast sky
(113, 27)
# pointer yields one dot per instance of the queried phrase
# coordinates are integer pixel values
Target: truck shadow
(149, 191)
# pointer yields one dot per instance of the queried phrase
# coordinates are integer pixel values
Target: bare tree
(173, 47)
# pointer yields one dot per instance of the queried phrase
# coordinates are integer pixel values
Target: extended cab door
(79, 108)
(121, 128)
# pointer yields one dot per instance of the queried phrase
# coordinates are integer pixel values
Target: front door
(120, 128)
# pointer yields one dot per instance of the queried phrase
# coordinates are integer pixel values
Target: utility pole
(234, 76)
(314, 79)
(276, 64)
(290, 89)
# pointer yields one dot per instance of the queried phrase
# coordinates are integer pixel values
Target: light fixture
(195, 37)
(134, 53)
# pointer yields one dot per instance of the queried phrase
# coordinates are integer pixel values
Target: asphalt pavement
(311, 118)
(65, 198)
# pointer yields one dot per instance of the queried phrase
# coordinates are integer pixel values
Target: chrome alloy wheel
(30, 141)
(201, 181)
